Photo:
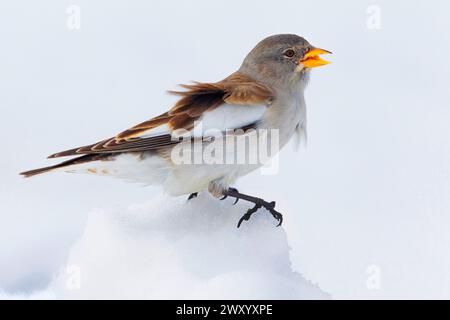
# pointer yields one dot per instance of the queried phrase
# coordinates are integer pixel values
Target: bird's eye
(289, 53)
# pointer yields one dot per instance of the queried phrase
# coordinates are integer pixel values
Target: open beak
(311, 59)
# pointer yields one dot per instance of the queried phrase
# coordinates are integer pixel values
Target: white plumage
(158, 167)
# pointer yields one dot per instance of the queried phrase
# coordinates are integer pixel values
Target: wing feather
(198, 101)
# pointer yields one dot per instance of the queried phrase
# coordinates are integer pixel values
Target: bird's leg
(259, 203)
(192, 196)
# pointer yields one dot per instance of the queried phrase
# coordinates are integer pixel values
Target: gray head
(282, 60)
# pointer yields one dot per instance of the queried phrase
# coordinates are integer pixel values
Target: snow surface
(169, 248)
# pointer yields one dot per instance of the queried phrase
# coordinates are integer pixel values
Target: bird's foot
(192, 196)
(248, 214)
(234, 190)
(259, 203)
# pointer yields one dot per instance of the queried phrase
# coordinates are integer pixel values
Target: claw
(245, 217)
(278, 216)
(192, 196)
(234, 190)
(281, 221)
(248, 214)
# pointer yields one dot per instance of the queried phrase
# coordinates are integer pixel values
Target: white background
(371, 188)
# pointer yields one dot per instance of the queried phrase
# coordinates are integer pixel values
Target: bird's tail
(67, 163)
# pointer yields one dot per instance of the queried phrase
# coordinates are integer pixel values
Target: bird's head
(282, 60)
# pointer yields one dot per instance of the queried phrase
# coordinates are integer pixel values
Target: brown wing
(194, 102)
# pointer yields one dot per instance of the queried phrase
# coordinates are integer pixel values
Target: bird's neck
(297, 83)
(288, 84)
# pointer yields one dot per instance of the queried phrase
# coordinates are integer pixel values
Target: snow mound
(169, 248)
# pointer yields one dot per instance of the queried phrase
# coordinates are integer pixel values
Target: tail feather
(78, 160)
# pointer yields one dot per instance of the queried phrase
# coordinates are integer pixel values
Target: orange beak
(311, 59)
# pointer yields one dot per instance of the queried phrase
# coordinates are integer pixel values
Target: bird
(264, 97)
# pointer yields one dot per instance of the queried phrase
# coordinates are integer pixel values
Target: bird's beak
(311, 59)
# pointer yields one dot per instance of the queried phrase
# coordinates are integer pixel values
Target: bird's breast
(286, 114)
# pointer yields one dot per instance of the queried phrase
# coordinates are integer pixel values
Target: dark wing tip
(30, 173)
(77, 160)
(24, 174)
(55, 155)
